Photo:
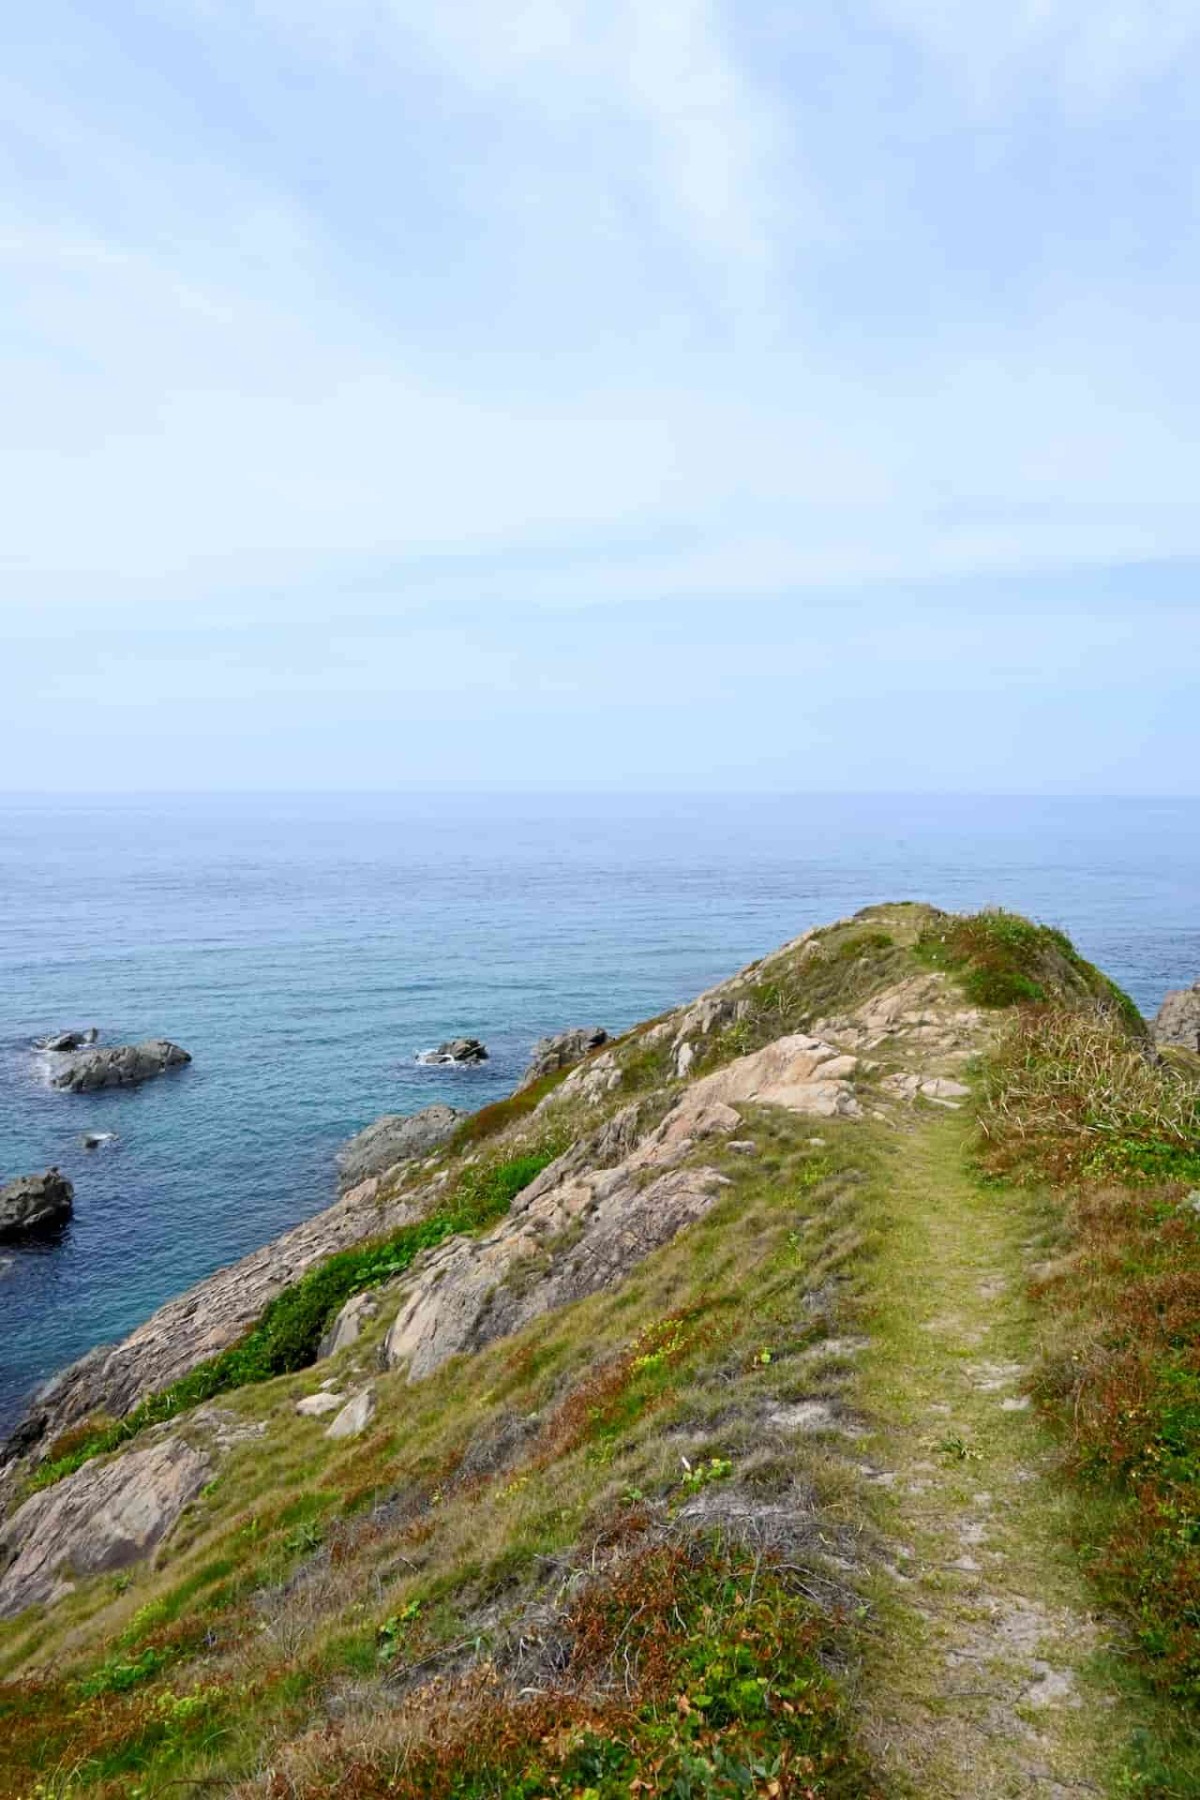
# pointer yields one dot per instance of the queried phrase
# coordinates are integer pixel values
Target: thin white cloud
(1089, 54)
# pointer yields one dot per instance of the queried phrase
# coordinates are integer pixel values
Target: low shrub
(1003, 960)
(689, 1670)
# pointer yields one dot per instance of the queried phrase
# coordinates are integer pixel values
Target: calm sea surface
(305, 949)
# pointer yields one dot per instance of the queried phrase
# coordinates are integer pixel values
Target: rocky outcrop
(206, 1319)
(347, 1327)
(562, 1051)
(581, 1226)
(1177, 1022)
(396, 1138)
(462, 1052)
(103, 1517)
(35, 1203)
(120, 1065)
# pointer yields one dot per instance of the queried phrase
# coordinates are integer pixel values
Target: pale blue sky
(615, 393)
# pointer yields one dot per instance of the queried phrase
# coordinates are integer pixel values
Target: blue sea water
(304, 949)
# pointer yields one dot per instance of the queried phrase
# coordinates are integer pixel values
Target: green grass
(289, 1332)
(1002, 960)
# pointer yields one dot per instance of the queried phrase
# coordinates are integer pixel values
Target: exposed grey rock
(463, 1051)
(562, 1051)
(1177, 1024)
(92, 1140)
(313, 1406)
(396, 1138)
(70, 1040)
(579, 1227)
(355, 1416)
(348, 1324)
(207, 1319)
(121, 1065)
(104, 1516)
(35, 1203)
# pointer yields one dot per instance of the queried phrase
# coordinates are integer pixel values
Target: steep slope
(673, 1435)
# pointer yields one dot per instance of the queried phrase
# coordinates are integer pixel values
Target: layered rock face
(396, 1138)
(581, 1226)
(206, 1319)
(118, 1065)
(35, 1203)
(103, 1517)
(1177, 1024)
(562, 1051)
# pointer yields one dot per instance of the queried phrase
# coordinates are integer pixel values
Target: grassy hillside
(880, 1478)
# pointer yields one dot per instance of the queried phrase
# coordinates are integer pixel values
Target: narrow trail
(983, 1686)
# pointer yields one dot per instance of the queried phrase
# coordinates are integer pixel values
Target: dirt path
(982, 1686)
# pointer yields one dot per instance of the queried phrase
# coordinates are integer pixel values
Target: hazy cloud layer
(461, 320)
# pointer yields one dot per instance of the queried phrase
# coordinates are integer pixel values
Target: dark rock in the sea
(92, 1140)
(35, 1203)
(394, 1139)
(463, 1050)
(122, 1065)
(70, 1040)
(562, 1051)
(1177, 1023)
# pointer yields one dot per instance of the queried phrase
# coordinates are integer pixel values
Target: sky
(611, 394)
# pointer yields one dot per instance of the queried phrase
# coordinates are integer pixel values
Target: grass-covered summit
(798, 1397)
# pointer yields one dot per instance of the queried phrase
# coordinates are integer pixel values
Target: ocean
(305, 949)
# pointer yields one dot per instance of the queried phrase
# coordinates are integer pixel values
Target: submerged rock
(122, 1065)
(104, 1516)
(70, 1040)
(1177, 1024)
(35, 1203)
(396, 1138)
(562, 1051)
(464, 1051)
(92, 1140)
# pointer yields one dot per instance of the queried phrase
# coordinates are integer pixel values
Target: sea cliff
(711, 1417)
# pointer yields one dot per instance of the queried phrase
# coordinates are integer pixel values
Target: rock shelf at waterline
(121, 1065)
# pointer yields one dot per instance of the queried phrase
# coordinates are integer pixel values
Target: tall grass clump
(1074, 1100)
(1070, 1095)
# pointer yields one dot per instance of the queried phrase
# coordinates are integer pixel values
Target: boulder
(355, 1416)
(396, 1138)
(70, 1040)
(122, 1065)
(463, 1051)
(313, 1406)
(104, 1516)
(1177, 1023)
(92, 1140)
(562, 1051)
(35, 1203)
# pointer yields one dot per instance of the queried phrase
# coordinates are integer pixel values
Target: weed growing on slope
(1074, 1099)
(289, 1332)
(1122, 1378)
(688, 1670)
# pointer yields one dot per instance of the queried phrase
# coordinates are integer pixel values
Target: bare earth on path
(986, 1681)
